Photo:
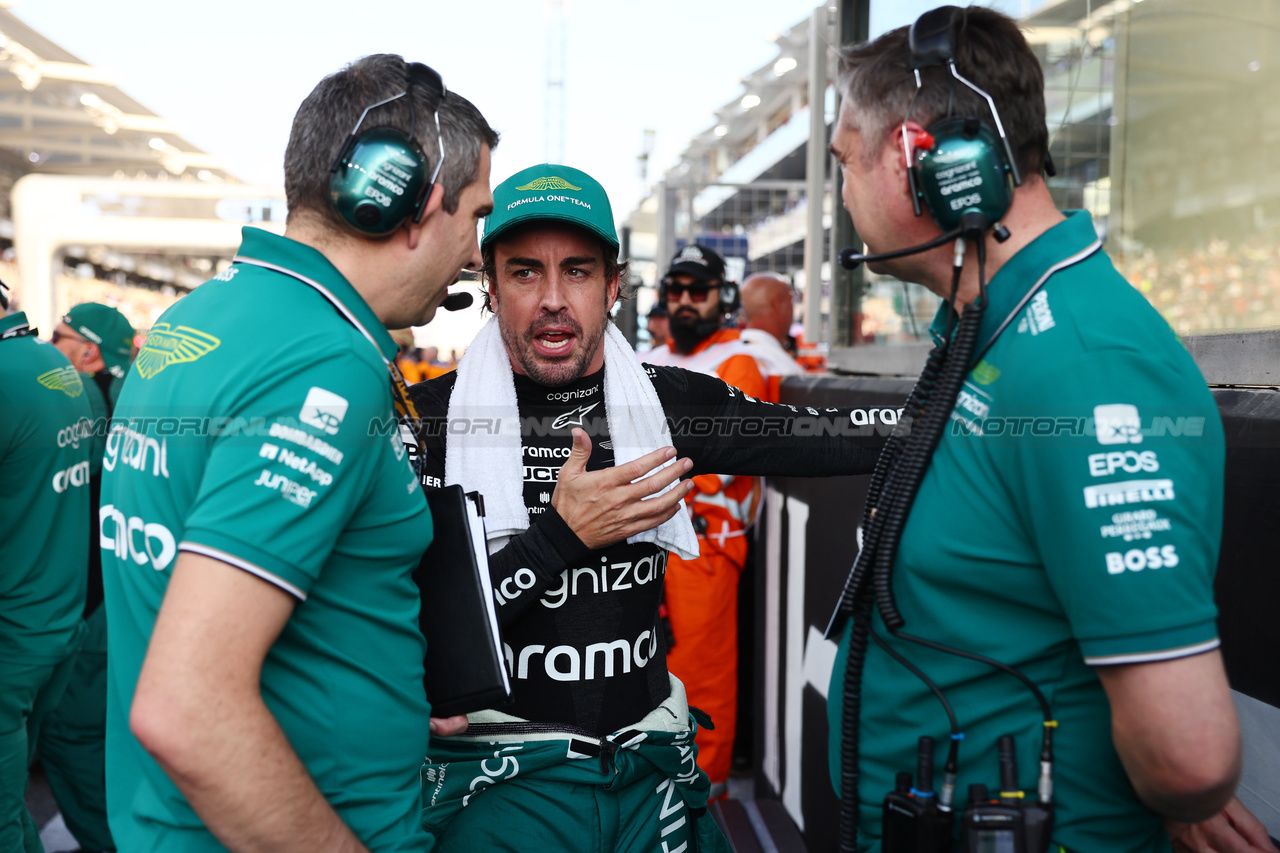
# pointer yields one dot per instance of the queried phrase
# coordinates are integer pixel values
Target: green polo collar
(291, 257)
(12, 322)
(1072, 236)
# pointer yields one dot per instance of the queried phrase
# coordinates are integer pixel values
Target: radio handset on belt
(1008, 824)
(915, 819)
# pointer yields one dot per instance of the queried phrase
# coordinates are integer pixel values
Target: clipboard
(465, 668)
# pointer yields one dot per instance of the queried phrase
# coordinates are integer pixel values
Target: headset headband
(931, 41)
(416, 73)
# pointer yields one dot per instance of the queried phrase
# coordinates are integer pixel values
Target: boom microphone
(457, 301)
(849, 259)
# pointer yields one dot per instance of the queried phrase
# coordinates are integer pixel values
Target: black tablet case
(465, 669)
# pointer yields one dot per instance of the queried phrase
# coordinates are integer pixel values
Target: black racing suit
(580, 627)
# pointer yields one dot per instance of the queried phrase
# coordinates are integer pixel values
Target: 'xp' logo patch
(165, 346)
(1117, 423)
(323, 410)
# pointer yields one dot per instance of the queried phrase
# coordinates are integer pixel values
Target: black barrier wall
(807, 544)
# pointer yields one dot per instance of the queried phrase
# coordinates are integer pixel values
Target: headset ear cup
(377, 182)
(728, 298)
(965, 171)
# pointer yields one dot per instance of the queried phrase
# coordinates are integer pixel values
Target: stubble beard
(551, 373)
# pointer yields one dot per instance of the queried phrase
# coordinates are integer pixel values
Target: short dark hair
(990, 50)
(324, 121)
(612, 266)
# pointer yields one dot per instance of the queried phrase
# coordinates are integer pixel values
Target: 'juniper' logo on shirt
(165, 346)
(550, 182)
(64, 379)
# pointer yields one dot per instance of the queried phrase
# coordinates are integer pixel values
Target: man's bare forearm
(242, 777)
(198, 711)
(1174, 726)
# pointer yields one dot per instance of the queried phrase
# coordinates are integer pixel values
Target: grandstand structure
(101, 198)
(1136, 98)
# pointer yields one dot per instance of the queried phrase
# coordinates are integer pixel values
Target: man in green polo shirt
(98, 340)
(1067, 523)
(260, 521)
(44, 512)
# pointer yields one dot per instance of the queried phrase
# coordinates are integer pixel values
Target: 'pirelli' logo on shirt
(1128, 492)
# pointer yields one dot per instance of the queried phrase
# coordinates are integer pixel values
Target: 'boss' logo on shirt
(1137, 559)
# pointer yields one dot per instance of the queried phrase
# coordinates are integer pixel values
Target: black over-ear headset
(379, 178)
(960, 168)
(960, 164)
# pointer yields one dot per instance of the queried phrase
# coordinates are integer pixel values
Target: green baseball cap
(107, 328)
(548, 191)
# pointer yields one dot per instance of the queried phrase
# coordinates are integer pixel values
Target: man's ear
(614, 285)
(900, 148)
(89, 355)
(433, 204)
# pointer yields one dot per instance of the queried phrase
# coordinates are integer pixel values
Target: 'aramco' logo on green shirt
(64, 379)
(548, 183)
(166, 346)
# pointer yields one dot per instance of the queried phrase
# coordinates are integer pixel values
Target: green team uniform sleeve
(291, 467)
(1127, 515)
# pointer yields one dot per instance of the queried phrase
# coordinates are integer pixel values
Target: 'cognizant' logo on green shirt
(166, 346)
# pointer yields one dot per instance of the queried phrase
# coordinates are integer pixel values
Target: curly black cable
(857, 601)
(851, 709)
(884, 467)
(894, 484)
(916, 457)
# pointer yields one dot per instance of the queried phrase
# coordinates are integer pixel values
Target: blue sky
(231, 73)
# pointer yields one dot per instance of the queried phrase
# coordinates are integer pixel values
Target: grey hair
(324, 121)
(877, 81)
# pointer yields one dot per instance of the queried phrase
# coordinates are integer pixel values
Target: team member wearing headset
(702, 593)
(266, 664)
(1081, 555)
(44, 516)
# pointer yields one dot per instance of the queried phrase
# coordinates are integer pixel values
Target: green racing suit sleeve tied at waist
(654, 760)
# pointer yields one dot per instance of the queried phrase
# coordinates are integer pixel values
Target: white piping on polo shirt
(257, 571)
(1083, 254)
(1151, 657)
(324, 291)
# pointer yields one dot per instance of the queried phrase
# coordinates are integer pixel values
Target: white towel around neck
(483, 452)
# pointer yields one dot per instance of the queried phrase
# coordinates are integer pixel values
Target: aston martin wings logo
(64, 379)
(548, 183)
(166, 346)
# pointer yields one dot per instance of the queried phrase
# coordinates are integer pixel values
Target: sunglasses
(57, 336)
(697, 292)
